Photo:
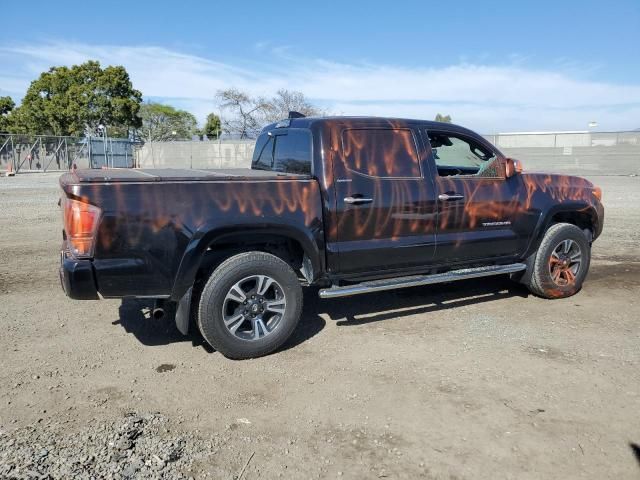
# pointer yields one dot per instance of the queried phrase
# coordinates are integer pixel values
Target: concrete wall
(579, 153)
(225, 154)
(542, 140)
(537, 153)
(563, 139)
(615, 160)
(576, 153)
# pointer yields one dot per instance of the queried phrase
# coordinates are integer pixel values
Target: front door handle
(357, 200)
(445, 197)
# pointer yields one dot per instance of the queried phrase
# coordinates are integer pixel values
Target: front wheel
(561, 262)
(250, 305)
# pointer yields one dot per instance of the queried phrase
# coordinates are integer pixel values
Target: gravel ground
(476, 379)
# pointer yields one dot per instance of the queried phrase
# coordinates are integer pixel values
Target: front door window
(456, 155)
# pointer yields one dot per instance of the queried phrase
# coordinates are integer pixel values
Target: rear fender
(205, 238)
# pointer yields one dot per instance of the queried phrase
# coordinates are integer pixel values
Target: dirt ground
(476, 379)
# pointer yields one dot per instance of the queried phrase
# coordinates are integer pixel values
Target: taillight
(80, 224)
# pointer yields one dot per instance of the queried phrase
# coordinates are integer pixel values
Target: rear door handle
(445, 197)
(357, 200)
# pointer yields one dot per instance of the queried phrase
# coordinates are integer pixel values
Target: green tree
(212, 127)
(443, 118)
(72, 100)
(164, 122)
(6, 106)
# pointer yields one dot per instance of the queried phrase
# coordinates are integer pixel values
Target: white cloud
(484, 97)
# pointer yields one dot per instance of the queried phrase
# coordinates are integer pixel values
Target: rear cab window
(381, 152)
(284, 150)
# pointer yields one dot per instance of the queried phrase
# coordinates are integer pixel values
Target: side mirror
(512, 167)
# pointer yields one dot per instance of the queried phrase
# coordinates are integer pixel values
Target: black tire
(568, 278)
(217, 290)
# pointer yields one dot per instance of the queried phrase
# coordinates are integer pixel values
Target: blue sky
(493, 66)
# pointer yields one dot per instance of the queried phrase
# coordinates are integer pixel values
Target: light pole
(102, 132)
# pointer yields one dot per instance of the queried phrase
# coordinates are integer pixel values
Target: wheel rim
(565, 263)
(253, 307)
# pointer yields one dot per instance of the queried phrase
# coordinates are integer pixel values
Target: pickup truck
(349, 205)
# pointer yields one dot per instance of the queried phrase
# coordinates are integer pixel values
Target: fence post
(15, 160)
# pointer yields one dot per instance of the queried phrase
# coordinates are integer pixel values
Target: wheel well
(581, 220)
(281, 246)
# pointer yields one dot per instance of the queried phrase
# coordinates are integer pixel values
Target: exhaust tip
(157, 313)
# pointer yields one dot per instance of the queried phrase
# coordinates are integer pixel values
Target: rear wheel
(250, 305)
(561, 263)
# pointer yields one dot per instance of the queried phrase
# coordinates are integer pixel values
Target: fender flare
(207, 235)
(546, 218)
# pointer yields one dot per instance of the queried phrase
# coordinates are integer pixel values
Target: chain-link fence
(41, 153)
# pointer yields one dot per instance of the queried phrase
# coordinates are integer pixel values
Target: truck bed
(155, 224)
(168, 174)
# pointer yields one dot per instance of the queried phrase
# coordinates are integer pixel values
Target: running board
(414, 281)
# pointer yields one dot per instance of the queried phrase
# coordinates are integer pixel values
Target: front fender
(546, 219)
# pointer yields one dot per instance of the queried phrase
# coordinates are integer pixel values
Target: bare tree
(246, 112)
(249, 114)
(286, 101)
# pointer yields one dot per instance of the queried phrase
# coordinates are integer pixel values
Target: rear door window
(293, 152)
(287, 151)
(381, 152)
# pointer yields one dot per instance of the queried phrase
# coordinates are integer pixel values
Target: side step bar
(414, 281)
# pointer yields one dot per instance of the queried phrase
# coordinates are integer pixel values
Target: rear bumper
(76, 277)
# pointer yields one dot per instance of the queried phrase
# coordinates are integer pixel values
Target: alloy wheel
(253, 307)
(565, 262)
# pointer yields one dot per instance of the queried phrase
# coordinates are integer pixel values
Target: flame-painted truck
(349, 205)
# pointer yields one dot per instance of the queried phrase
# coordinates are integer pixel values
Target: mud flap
(524, 277)
(183, 312)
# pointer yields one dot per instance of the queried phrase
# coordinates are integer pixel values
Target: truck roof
(365, 121)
